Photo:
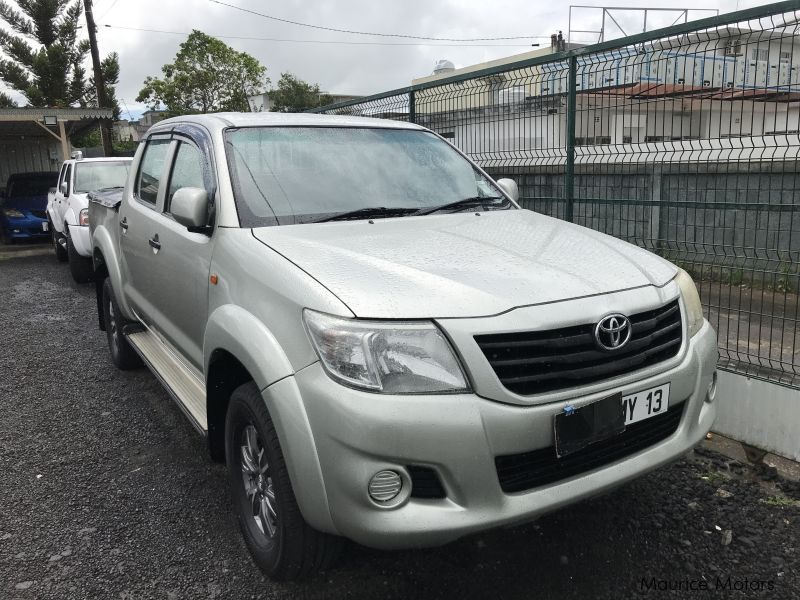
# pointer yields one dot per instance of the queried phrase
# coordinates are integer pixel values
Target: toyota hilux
(379, 342)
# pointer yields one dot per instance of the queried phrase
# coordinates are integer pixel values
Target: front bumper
(27, 227)
(356, 434)
(81, 239)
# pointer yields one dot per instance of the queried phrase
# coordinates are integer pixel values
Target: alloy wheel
(257, 480)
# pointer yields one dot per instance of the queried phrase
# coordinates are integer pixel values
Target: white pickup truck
(68, 207)
(379, 342)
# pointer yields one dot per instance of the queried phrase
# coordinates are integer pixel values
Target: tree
(43, 52)
(296, 95)
(6, 101)
(44, 58)
(110, 69)
(207, 76)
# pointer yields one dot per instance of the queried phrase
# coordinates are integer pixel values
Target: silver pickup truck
(378, 341)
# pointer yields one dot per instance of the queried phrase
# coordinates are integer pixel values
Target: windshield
(286, 175)
(90, 176)
(38, 185)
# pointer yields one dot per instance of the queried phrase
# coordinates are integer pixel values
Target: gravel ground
(107, 492)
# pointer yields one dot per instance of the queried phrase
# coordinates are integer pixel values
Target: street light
(50, 120)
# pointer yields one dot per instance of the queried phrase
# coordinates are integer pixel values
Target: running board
(183, 385)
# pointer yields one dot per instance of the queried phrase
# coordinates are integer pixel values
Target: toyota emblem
(613, 332)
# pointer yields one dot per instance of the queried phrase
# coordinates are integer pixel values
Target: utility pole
(105, 124)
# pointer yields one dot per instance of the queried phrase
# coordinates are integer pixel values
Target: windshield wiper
(463, 203)
(368, 213)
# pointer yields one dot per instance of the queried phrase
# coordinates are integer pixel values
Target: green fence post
(569, 173)
(412, 108)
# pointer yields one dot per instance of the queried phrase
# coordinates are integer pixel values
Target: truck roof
(100, 159)
(273, 119)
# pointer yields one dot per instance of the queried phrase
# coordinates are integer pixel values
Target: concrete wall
(758, 413)
(28, 154)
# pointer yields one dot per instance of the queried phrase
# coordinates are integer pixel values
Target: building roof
(30, 121)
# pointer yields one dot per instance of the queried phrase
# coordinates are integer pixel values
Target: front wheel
(122, 354)
(282, 544)
(80, 266)
(61, 253)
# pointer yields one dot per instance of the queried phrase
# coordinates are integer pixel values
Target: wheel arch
(106, 258)
(100, 275)
(238, 349)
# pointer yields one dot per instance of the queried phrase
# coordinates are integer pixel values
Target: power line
(109, 9)
(395, 35)
(335, 42)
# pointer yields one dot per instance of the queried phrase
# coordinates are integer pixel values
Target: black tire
(80, 266)
(61, 253)
(123, 355)
(294, 550)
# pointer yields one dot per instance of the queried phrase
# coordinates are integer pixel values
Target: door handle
(154, 243)
(124, 223)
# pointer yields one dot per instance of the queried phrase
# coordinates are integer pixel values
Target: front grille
(541, 361)
(425, 483)
(520, 472)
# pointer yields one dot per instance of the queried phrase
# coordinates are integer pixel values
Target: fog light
(385, 486)
(712, 388)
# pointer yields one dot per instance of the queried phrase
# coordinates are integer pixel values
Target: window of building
(759, 54)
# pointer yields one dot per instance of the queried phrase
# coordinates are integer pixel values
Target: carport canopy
(60, 123)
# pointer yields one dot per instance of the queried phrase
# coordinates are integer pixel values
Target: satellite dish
(443, 66)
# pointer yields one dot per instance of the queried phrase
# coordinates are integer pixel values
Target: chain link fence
(684, 141)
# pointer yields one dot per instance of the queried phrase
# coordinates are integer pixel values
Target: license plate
(645, 404)
(45, 226)
(576, 428)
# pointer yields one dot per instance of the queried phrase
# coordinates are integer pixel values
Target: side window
(187, 171)
(68, 179)
(148, 179)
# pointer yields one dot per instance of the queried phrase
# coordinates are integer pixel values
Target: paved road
(106, 492)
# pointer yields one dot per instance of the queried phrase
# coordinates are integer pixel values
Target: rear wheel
(61, 253)
(122, 354)
(80, 266)
(282, 544)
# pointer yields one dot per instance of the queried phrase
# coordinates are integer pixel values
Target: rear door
(139, 251)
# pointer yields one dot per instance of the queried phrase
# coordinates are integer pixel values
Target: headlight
(13, 213)
(390, 357)
(83, 219)
(691, 300)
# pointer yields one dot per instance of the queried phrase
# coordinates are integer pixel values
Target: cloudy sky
(354, 68)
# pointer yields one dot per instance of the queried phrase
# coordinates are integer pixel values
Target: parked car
(68, 207)
(23, 204)
(379, 342)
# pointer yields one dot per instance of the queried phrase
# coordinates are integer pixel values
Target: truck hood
(462, 265)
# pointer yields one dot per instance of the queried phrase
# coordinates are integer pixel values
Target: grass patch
(780, 501)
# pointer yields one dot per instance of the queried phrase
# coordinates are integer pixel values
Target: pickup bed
(378, 341)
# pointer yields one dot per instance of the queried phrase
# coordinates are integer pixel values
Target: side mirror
(64, 188)
(509, 186)
(189, 207)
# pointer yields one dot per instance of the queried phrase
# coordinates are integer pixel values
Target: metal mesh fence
(685, 141)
